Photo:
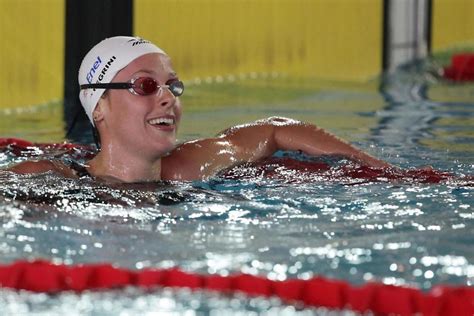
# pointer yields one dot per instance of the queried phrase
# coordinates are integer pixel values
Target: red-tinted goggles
(141, 86)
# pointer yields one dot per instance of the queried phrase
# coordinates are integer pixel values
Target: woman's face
(144, 125)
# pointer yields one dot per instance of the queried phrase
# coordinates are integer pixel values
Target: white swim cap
(104, 60)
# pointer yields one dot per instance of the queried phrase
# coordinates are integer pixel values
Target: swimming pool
(398, 232)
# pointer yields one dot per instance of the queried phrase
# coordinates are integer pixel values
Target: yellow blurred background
(333, 39)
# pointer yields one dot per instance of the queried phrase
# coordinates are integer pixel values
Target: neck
(124, 166)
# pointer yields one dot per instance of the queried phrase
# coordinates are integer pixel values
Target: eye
(176, 87)
(149, 85)
(145, 86)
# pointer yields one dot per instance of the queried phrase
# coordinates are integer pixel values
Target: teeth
(161, 120)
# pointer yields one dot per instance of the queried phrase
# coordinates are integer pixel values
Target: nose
(166, 98)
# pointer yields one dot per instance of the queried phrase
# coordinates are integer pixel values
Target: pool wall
(453, 23)
(31, 52)
(337, 39)
(331, 39)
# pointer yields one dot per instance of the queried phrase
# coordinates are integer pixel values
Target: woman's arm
(265, 137)
(259, 140)
(40, 166)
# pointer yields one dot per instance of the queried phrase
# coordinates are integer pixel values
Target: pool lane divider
(42, 276)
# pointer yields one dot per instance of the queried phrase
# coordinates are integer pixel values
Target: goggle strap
(111, 85)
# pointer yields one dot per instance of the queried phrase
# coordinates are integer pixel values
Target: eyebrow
(151, 72)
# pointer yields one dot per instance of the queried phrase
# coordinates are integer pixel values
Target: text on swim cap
(95, 66)
(106, 67)
(91, 72)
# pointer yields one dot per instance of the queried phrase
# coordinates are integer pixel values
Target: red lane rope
(23, 148)
(461, 68)
(291, 170)
(46, 277)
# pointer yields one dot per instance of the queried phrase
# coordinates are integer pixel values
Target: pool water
(399, 232)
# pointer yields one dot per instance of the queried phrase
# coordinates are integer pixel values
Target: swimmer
(130, 93)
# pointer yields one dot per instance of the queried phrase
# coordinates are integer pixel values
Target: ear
(99, 111)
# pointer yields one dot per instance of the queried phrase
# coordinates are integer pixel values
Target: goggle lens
(148, 86)
(176, 87)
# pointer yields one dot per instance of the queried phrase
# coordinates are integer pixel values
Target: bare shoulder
(41, 166)
(193, 160)
(205, 157)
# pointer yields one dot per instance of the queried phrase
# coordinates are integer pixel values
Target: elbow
(280, 121)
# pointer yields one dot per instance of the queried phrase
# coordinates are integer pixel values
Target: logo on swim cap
(138, 41)
(105, 60)
(94, 67)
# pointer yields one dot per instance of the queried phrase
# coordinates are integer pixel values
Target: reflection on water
(160, 301)
(357, 232)
(438, 126)
(396, 232)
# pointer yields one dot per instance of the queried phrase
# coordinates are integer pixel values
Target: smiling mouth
(162, 121)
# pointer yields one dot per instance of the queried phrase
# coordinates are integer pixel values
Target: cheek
(178, 111)
(125, 107)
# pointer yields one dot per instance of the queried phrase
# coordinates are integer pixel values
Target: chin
(163, 149)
